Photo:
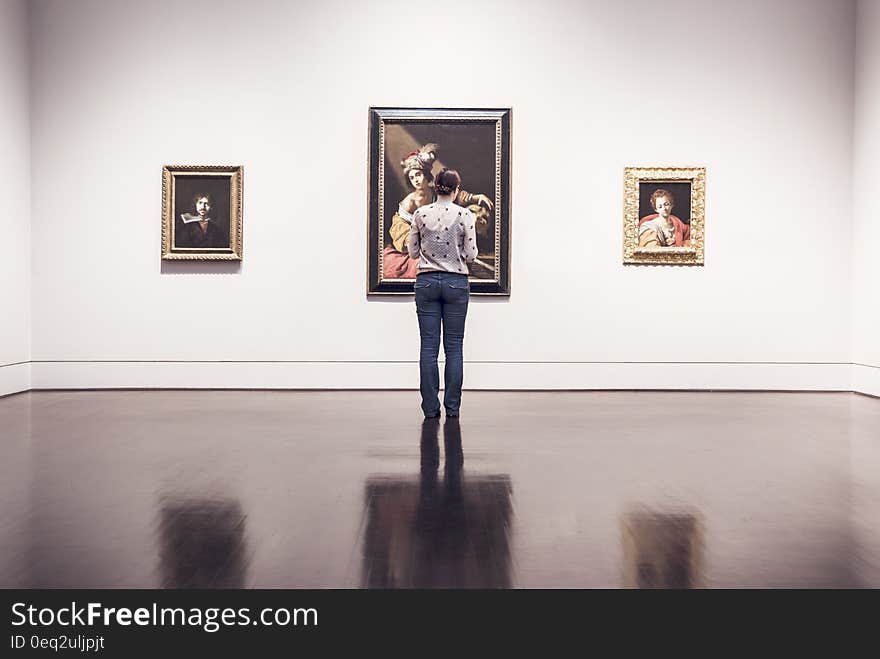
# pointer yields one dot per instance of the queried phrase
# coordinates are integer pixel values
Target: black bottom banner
(129, 623)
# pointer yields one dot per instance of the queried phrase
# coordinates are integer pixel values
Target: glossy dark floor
(352, 489)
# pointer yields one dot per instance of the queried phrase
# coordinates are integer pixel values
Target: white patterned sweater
(443, 238)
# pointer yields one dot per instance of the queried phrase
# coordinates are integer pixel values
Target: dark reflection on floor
(349, 489)
(426, 533)
(662, 550)
(202, 543)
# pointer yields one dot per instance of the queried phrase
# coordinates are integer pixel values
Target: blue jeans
(441, 301)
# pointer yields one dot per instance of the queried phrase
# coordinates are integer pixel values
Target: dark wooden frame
(501, 117)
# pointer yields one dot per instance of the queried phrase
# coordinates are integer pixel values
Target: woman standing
(444, 240)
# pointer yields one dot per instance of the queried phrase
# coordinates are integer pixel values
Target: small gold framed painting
(664, 215)
(201, 212)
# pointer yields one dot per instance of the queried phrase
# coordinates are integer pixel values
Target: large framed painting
(201, 212)
(663, 218)
(408, 147)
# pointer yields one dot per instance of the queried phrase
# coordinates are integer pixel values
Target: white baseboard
(404, 375)
(866, 379)
(224, 375)
(730, 376)
(15, 378)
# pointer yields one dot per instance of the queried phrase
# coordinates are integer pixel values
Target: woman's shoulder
(463, 211)
(423, 211)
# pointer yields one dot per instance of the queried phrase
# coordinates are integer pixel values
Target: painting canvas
(408, 147)
(201, 212)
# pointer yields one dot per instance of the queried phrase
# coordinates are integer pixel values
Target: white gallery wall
(761, 93)
(866, 225)
(15, 221)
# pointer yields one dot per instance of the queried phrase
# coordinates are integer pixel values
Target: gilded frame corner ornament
(692, 254)
(171, 174)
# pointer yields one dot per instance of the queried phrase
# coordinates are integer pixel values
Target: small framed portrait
(408, 148)
(201, 212)
(663, 216)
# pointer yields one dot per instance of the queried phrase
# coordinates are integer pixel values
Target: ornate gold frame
(234, 252)
(632, 253)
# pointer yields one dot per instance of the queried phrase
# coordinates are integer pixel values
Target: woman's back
(444, 238)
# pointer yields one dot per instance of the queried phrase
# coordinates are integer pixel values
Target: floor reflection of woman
(440, 533)
(417, 166)
(458, 541)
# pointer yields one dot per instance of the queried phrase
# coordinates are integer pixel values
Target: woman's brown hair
(447, 181)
